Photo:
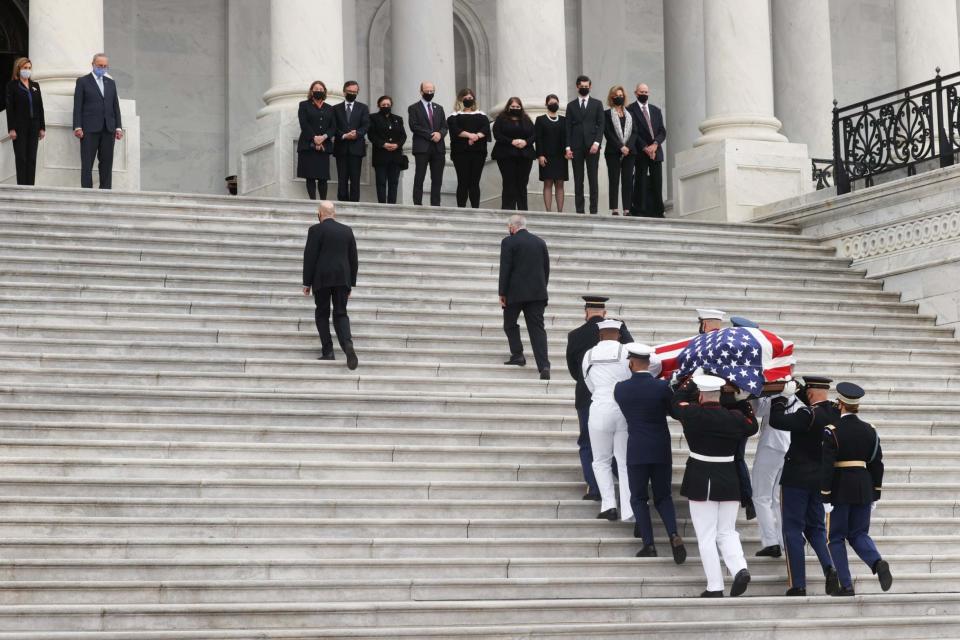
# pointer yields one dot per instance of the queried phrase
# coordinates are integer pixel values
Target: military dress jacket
(851, 468)
(801, 464)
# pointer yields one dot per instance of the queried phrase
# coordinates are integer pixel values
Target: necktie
(349, 111)
(646, 116)
(430, 114)
(583, 105)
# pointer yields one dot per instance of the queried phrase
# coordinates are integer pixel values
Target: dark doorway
(13, 37)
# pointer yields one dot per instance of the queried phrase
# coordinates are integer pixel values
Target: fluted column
(926, 39)
(531, 53)
(422, 32)
(803, 72)
(306, 44)
(685, 105)
(63, 38)
(739, 72)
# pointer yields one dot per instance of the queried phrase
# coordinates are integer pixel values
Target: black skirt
(313, 165)
(556, 169)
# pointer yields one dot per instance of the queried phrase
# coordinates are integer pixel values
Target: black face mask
(618, 101)
(584, 91)
(350, 97)
(428, 97)
(319, 95)
(553, 107)
(385, 110)
(514, 112)
(469, 102)
(642, 99)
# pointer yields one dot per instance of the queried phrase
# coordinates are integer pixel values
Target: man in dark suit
(648, 177)
(428, 123)
(353, 120)
(96, 122)
(330, 271)
(579, 341)
(524, 273)
(584, 136)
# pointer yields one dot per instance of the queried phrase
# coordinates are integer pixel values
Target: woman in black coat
(25, 120)
(387, 135)
(514, 152)
(469, 131)
(318, 130)
(551, 145)
(620, 130)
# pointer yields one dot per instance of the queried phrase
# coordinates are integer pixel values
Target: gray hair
(99, 55)
(326, 208)
(518, 221)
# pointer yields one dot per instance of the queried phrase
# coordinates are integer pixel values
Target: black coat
(421, 129)
(646, 402)
(385, 129)
(801, 464)
(610, 133)
(643, 136)
(712, 430)
(316, 121)
(506, 130)
(359, 120)
(579, 341)
(471, 122)
(18, 108)
(524, 268)
(851, 439)
(584, 127)
(549, 144)
(92, 111)
(330, 256)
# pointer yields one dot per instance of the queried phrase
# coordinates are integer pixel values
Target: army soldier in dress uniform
(851, 479)
(603, 367)
(804, 416)
(711, 482)
(645, 402)
(579, 341)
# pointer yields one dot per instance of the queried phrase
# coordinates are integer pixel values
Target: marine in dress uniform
(645, 402)
(579, 341)
(710, 481)
(851, 480)
(603, 367)
(804, 416)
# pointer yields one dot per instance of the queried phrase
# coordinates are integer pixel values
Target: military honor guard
(579, 341)
(603, 367)
(804, 416)
(645, 402)
(710, 481)
(851, 480)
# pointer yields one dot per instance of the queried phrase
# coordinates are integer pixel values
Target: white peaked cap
(707, 384)
(641, 350)
(710, 314)
(609, 324)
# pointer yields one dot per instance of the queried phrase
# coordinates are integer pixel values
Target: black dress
(552, 144)
(314, 163)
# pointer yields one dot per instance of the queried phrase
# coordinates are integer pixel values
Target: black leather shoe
(712, 594)
(679, 551)
(519, 361)
(545, 374)
(796, 591)
(352, 361)
(773, 551)
(740, 582)
(326, 356)
(609, 514)
(843, 592)
(751, 511)
(832, 581)
(648, 551)
(593, 213)
(591, 496)
(882, 569)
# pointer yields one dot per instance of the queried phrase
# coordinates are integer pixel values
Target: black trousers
(434, 160)
(315, 185)
(341, 322)
(581, 160)
(469, 168)
(348, 178)
(515, 173)
(620, 176)
(647, 188)
(533, 316)
(93, 146)
(387, 177)
(25, 155)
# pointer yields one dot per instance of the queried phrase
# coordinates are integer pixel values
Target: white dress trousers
(767, 468)
(716, 526)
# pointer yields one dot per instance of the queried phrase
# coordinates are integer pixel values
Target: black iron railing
(898, 130)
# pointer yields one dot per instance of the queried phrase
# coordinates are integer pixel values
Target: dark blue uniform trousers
(586, 453)
(660, 476)
(801, 513)
(850, 523)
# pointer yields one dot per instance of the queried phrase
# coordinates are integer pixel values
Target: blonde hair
(613, 92)
(466, 91)
(18, 64)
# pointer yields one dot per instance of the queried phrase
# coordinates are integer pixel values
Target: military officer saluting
(645, 402)
(804, 416)
(579, 341)
(851, 480)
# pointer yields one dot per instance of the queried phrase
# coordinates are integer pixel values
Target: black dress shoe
(545, 374)
(679, 551)
(751, 511)
(519, 361)
(352, 361)
(712, 594)
(609, 514)
(844, 592)
(832, 581)
(614, 213)
(773, 551)
(796, 591)
(648, 551)
(326, 356)
(740, 582)
(593, 213)
(882, 569)
(591, 496)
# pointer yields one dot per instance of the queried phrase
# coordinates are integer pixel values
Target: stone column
(803, 72)
(926, 39)
(63, 38)
(531, 53)
(306, 44)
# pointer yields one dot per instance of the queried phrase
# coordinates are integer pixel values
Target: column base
(58, 157)
(724, 181)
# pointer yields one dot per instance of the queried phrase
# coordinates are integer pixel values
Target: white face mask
(25, 73)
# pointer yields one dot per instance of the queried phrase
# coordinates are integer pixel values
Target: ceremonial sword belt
(850, 464)
(703, 458)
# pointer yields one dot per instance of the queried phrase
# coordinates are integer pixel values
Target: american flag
(744, 356)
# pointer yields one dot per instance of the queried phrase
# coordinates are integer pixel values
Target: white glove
(741, 395)
(789, 390)
(827, 507)
(697, 372)
(873, 505)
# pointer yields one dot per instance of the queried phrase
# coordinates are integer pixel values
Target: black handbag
(404, 163)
